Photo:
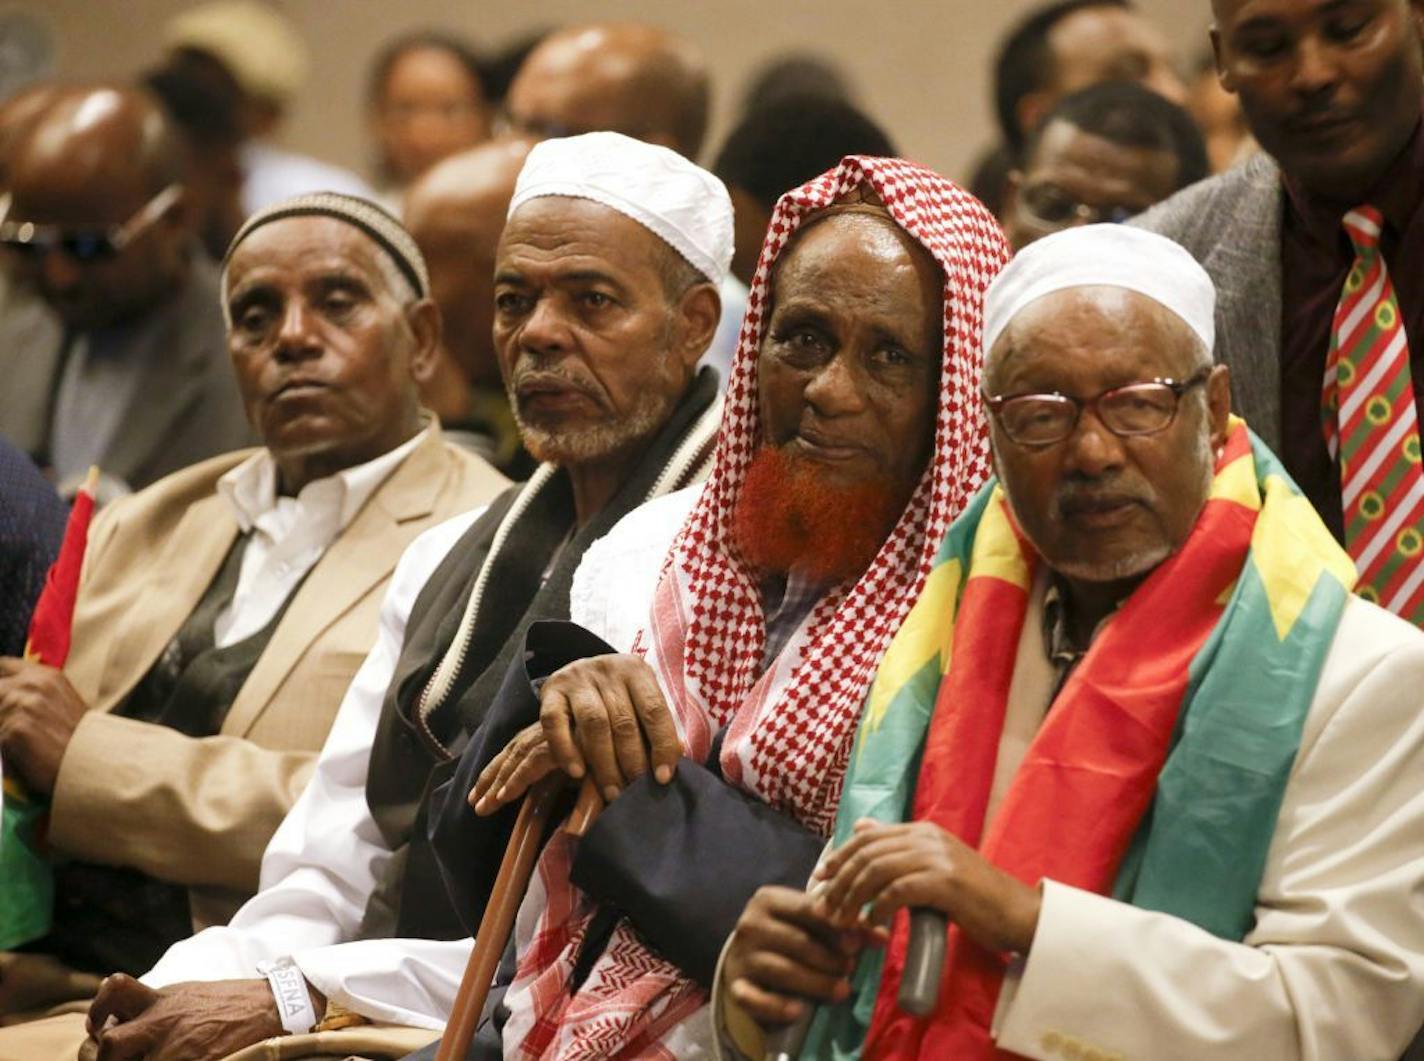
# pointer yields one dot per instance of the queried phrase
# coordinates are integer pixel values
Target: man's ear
(1013, 181)
(698, 312)
(1223, 75)
(424, 320)
(1218, 403)
(1030, 111)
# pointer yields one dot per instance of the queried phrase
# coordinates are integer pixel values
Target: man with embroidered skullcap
(605, 297)
(1316, 246)
(752, 612)
(1166, 766)
(224, 610)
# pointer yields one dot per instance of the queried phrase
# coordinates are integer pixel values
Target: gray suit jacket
(186, 408)
(1231, 223)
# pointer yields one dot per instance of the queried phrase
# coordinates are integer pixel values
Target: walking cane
(510, 885)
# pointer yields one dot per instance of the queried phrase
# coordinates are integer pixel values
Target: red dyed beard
(791, 515)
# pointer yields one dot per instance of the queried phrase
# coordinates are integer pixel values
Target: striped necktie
(1372, 428)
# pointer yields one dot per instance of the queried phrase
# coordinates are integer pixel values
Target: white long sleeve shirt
(325, 859)
(289, 534)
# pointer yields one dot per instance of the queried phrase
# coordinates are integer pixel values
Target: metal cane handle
(924, 962)
(919, 983)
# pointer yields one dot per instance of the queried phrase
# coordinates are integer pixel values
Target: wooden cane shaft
(509, 888)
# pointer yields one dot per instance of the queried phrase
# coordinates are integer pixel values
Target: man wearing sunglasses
(96, 222)
(1166, 792)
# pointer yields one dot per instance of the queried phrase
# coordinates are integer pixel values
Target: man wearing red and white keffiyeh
(786, 688)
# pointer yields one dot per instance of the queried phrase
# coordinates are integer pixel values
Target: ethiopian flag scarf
(1158, 772)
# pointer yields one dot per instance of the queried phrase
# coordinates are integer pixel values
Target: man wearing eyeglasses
(1167, 787)
(96, 223)
(1106, 153)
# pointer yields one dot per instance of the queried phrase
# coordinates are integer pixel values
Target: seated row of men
(1115, 713)
(1151, 730)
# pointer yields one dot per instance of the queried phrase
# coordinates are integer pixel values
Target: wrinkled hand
(606, 715)
(782, 951)
(919, 864)
(525, 760)
(196, 1021)
(39, 710)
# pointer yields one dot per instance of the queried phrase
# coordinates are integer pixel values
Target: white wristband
(289, 988)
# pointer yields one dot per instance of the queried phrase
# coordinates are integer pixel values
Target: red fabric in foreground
(53, 618)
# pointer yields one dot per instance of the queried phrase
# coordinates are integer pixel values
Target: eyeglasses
(1136, 409)
(83, 245)
(1052, 207)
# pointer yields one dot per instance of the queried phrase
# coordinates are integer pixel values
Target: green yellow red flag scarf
(1158, 773)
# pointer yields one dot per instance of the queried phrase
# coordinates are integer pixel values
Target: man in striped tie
(1317, 252)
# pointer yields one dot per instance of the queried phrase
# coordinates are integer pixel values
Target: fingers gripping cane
(509, 887)
(919, 982)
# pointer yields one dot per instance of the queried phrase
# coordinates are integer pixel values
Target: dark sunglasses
(30, 240)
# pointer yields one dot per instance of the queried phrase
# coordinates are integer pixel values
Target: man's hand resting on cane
(604, 716)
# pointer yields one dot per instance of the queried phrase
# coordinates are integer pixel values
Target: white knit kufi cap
(1103, 256)
(678, 201)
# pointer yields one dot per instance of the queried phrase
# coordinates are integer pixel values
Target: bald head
(20, 111)
(456, 214)
(625, 78)
(103, 145)
(89, 160)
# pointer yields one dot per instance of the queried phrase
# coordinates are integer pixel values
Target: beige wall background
(921, 68)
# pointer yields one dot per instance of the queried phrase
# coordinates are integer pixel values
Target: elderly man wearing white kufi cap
(606, 297)
(1167, 792)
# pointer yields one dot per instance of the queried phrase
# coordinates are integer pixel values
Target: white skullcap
(678, 201)
(257, 43)
(1107, 256)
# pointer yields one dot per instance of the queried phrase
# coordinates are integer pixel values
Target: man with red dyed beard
(751, 614)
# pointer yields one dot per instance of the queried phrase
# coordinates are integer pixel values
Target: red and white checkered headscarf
(791, 727)
(790, 733)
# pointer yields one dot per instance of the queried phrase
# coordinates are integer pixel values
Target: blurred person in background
(18, 300)
(254, 49)
(626, 78)
(426, 103)
(1106, 153)
(795, 75)
(1057, 49)
(456, 213)
(206, 118)
(498, 66)
(1219, 116)
(100, 225)
(781, 145)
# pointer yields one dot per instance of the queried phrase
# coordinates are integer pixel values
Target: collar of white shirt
(250, 489)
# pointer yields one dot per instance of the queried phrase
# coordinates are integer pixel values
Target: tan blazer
(200, 811)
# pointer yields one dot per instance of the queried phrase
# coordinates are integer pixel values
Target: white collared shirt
(289, 534)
